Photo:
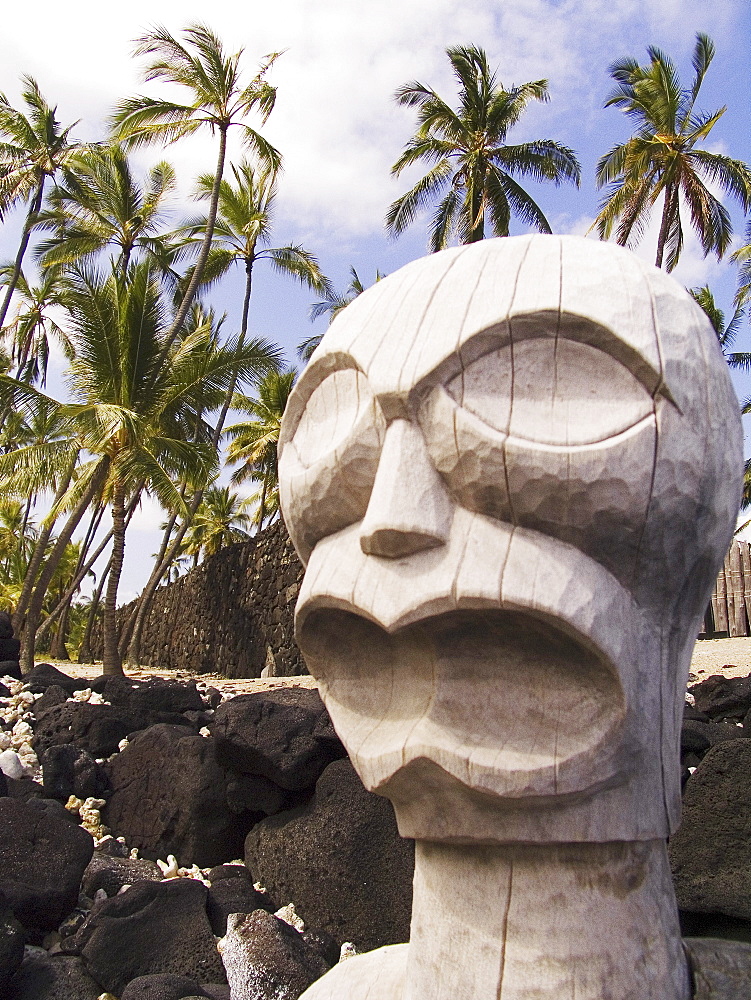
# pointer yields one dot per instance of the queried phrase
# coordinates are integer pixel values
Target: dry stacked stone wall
(232, 614)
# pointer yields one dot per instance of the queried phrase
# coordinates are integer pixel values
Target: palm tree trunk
(37, 556)
(84, 568)
(478, 215)
(112, 664)
(161, 567)
(248, 288)
(194, 282)
(33, 211)
(667, 212)
(52, 561)
(262, 506)
(84, 653)
(58, 650)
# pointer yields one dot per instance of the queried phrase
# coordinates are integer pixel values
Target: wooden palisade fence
(729, 611)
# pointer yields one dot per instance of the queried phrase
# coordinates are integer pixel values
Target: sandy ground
(731, 657)
(237, 685)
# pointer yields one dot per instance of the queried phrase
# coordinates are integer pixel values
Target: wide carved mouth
(508, 703)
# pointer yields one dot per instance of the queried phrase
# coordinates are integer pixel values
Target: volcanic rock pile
(285, 861)
(283, 856)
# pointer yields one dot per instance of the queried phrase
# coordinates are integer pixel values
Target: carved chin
(503, 704)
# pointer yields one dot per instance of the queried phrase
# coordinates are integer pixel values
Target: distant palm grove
(161, 393)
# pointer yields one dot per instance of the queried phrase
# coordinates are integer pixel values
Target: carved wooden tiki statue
(512, 470)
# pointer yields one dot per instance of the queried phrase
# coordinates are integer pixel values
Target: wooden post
(746, 574)
(736, 604)
(721, 612)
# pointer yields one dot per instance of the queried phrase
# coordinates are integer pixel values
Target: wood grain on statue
(513, 469)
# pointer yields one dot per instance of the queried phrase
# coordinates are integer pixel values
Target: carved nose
(409, 509)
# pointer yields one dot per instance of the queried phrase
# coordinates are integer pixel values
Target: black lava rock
(10, 648)
(697, 737)
(723, 697)
(67, 770)
(54, 977)
(219, 872)
(233, 895)
(111, 874)
(342, 861)
(710, 854)
(10, 668)
(6, 625)
(170, 797)
(285, 736)
(265, 957)
(162, 987)
(44, 674)
(153, 927)
(53, 695)
(42, 859)
(95, 728)
(11, 943)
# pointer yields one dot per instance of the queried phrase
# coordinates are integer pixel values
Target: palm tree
(36, 147)
(172, 542)
(332, 303)
(101, 205)
(134, 412)
(242, 232)
(663, 159)
(472, 169)
(216, 99)
(34, 323)
(254, 442)
(220, 520)
(17, 538)
(743, 258)
(726, 334)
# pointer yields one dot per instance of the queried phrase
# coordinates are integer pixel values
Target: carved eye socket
(333, 409)
(552, 391)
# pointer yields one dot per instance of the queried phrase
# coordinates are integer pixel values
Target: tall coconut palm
(663, 159)
(332, 303)
(33, 149)
(34, 324)
(742, 257)
(473, 171)
(102, 205)
(134, 411)
(220, 520)
(42, 456)
(254, 442)
(242, 232)
(216, 99)
(726, 333)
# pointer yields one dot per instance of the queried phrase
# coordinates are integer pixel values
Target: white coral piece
(288, 915)
(83, 695)
(169, 868)
(348, 950)
(11, 764)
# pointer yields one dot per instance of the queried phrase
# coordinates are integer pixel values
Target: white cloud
(149, 515)
(334, 120)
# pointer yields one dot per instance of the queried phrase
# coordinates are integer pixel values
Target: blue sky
(339, 130)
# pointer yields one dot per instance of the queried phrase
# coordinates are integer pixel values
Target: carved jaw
(494, 683)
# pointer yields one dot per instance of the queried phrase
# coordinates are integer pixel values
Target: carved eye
(332, 411)
(552, 391)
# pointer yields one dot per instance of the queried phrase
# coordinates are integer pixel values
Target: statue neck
(544, 922)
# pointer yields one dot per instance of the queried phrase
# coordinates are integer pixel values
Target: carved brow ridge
(547, 324)
(514, 329)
